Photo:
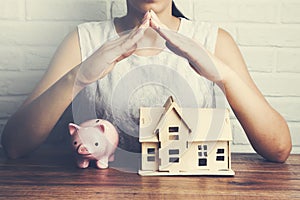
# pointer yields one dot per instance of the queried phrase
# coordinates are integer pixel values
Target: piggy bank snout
(82, 150)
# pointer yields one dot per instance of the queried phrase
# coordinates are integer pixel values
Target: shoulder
(225, 38)
(226, 48)
(229, 53)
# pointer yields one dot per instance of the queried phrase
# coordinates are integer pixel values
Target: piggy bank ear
(101, 127)
(73, 128)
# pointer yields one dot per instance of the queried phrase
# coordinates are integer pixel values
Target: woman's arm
(266, 130)
(32, 123)
(66, 77)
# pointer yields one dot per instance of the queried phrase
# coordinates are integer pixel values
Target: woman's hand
(103, 60)
(202, 61)
(259, 120)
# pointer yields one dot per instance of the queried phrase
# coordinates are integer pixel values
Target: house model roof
(204, 124)
(170, 106)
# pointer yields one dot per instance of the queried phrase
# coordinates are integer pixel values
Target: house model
(185, 141)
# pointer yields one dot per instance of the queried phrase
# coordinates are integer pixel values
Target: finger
(136, 31)
(147, 16)
(126, 47)
(125, 55)
(161, 29)
(136, 35)
(121, 53)
(126, 44)
(123, 36)
(172, 38)
(129, 34)
(145, 23)
(110, 45)
(155, 22)
(176, 50)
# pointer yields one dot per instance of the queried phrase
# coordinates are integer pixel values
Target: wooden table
(51, 173)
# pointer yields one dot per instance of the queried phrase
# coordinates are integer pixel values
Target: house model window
(220, 155)
(173, 133)
(174, 143)
(151, 155)
(202, 155)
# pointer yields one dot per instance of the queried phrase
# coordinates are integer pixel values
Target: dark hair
(176, 12)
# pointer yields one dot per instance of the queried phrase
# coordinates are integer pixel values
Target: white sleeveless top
(142, 81)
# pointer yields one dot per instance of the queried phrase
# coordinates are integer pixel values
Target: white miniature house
(185, 141)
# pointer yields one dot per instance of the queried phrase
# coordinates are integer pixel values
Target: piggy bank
(94, 140)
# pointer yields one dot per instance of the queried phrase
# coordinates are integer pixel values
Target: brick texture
(267, 32)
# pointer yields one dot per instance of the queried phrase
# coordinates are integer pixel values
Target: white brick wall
(267, 31)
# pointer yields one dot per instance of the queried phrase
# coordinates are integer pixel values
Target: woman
(74, 68)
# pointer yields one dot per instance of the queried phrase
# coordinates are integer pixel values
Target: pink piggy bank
(95, 139)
